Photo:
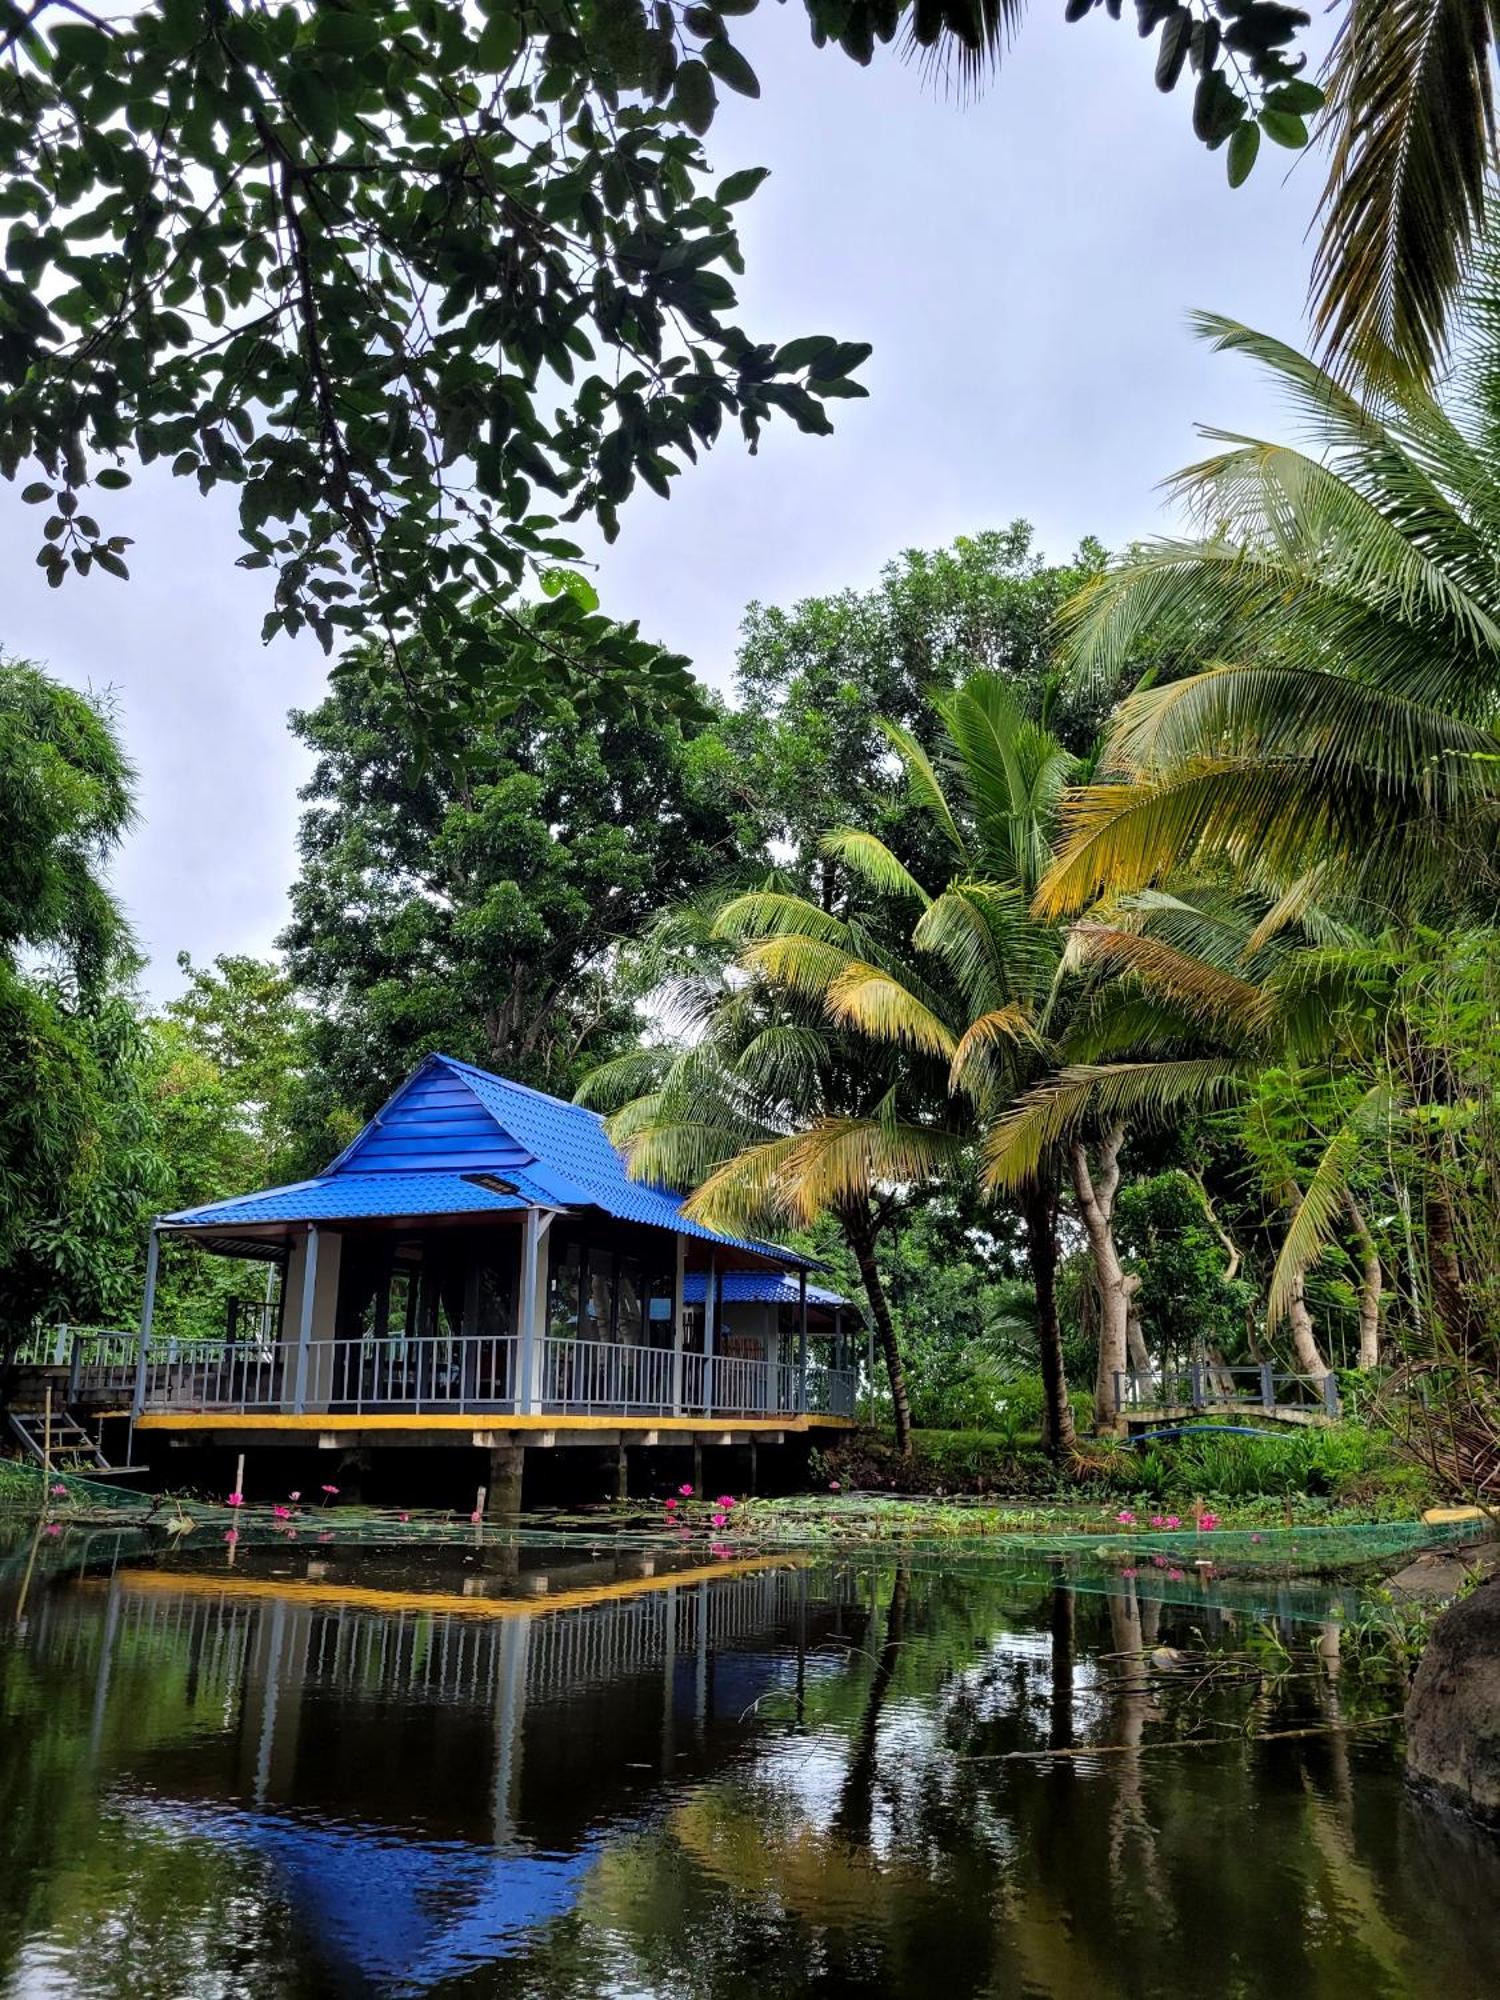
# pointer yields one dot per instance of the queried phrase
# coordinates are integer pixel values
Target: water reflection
(519, 1772)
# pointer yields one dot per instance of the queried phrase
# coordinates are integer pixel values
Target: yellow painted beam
(369, 1597)
(274, 1421)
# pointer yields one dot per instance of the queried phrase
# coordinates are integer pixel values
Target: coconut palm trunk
(861, 1239)
(1371, 1284)
(1039, 1214)
(1095, 1188)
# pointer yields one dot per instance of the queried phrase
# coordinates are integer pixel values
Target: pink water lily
(54, 1528)
(1158, 1521)
(235, 1500)
(282, 1513)
(1175, 1575)
(719, 1520)
(1207, 1523)
(834, 1486)
(671, 1506)
(59, 1491)
(231, 1535)
(294, 1497)
(476, 1517)
(403, 1517)
(686, 1491)
(330, 1489)
(1130, 1572)
(1125, 1518)
(1172, 1521)
(725, 1501)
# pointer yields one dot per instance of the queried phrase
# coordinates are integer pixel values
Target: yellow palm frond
(869, 858)
(1148, 1093)
(1211, 995)
(973, 1068)
(876, 1002)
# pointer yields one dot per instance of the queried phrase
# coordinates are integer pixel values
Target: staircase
(73, 1448)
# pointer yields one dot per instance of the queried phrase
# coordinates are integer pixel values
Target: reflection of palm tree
(1060, 1734)
(857, 1794)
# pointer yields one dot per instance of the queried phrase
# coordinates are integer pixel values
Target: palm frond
(767, 912)
(1145, 1094)
(978, 1064)
(1217, 999)
(881, 1006)
(1412, 127)
(873, 862)
(1311, 1228)
(801, 964)
(924, 784)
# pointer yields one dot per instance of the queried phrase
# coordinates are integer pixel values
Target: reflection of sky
(403, 1915)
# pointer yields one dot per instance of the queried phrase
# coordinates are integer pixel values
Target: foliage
(815, 684)
(75, 1168)
(338, 258)
(1186, 1302)
(239, 1032)
(477, 906)
(1346, 598)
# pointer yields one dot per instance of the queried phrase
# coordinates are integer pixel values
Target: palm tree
(1195, 1006)
(1343, 739)
(982, 992)
(772, 1113)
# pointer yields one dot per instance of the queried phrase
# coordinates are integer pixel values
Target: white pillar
(528, 1398)
(305, 1320)
(679, 1325)
(802, 1339)
(148, 1308)
(710, 1330)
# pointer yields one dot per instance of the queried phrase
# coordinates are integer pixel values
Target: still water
(573, 1772)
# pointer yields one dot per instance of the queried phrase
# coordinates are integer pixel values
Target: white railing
(1214, 1384)
(481, 1373)
(589, 1375)
(831, 1392)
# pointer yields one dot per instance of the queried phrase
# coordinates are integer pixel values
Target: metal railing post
(148, 1307)
(1331, 1394)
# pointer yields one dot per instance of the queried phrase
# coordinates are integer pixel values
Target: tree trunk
(1039, 1213)
(1116, 1287)
(862, 1243)
(1135, 1341)
(1371, 1283)
(1305, 1350)
(1450, 1299)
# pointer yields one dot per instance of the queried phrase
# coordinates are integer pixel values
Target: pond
(505, 1768)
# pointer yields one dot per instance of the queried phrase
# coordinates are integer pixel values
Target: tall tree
(769, 1113)
(478, 907)
(76, 1166)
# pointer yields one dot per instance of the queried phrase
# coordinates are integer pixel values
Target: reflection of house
(479, 1251)
(426, 1790)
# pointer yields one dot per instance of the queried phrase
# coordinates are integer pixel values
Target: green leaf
(694, 98)
(349, 32)
(1285, 127)
(726, 62)
(36, 492)
(740, 186)
(1298, 96)
(112, 479)
(556, 582)
(1244, 144)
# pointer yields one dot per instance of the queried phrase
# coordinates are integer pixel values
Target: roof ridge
(509, 1083)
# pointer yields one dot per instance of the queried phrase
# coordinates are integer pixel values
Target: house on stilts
(477, 1267)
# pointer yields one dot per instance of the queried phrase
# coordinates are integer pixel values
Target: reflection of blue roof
(403, 1914)
(762, 1288)
(448, 1131)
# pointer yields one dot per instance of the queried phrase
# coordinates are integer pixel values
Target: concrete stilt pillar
(622, 1473)
(507, 1462)
(698, 1470)
(752, 1467)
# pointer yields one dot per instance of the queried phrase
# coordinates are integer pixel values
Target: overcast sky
(1024, 266)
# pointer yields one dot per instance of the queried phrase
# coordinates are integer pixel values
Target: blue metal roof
(449, 1123)
(348, 1197)
(763, 1288)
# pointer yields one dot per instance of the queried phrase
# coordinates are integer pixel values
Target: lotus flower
(1125, 1518)
(59, 1492)
(294, 1496)
(1173, 1521)
(686, 1492)
(719, 1520)
(330, 1489)
(724, 1502)
(282, 1513)
(1207, 1523)
(236, 1500)
(1158, 1520)
(671, 1506)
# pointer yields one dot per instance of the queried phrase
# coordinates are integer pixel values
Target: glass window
(630, 1318)
(562, 1294)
